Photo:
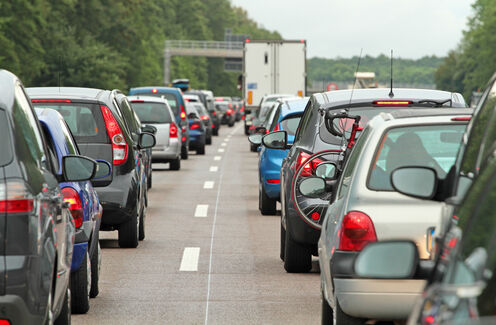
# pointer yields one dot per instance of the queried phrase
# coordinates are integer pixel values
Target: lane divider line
(221, 150)
(201, 211)
(208, 185)
(214, 169)
(223, 144)
(189, 262)
(217, 158)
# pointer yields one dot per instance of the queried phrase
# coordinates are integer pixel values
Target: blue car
(176, 101)
(197, 129)
(287, 117)
(85, 208)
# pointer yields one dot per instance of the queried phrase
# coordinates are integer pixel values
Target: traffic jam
(175, 205)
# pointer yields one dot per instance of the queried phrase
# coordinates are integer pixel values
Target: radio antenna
(391, 94)
(355, 80)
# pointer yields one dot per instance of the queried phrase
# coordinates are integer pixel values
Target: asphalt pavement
(209, 256)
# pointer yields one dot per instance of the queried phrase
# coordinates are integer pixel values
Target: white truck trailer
(273, 67)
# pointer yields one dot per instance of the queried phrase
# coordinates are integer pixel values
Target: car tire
(80, 287)
(96, 262)
(253, 147)
(64, 317)
(247, 132)
(141, 235)
(215, 131)
(297, 258)
(128, 233)
(184, 152)
(283, 242)
(175, 164)
(231, 124)
(266, 205)
(201, 150)
(149, 182)
(344, 319)
(327, 317)
(208, 140)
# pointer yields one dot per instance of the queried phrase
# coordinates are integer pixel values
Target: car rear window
(85, 120)
(5, 144)
(171, 98)
(290, 125)
(152, 112)
(434, 146)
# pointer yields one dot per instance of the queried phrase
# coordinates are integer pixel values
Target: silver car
(367, 208)
(156, 112)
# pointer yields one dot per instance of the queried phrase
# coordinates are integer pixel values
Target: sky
(341, 28)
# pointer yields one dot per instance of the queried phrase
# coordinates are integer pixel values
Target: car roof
(419, 115)
(159, 89)
(278, 95)
(293, 105)
(59, 92)
(357, 95)
(191, 96)
(151, 99)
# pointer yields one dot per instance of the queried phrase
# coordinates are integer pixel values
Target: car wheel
(142, 224)
(175, 164)
(149, 182)
(253, 147)
(297, 258)
(283, 242)
(266, 205)
(65, 313)
(344, 319)
(80, 287)
(246, 130)
(327, 317)
(128, 232)
(96, 262)
(201, 150)
(209, 140)
(215, 131)
(231, 124)
(184, 152)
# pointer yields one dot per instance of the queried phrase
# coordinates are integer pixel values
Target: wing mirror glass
(146, 140)
(255, 139)
(276, 140)
(78, 168)
(387, 260)
(103, 170)
(327, 171)
(313, 187)
(418, 182)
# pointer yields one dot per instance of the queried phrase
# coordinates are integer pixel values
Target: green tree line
(117, 43)
(468, 67)
(407, 71)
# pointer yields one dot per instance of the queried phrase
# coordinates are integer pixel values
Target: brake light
(461, 118)
(183, 113)
(213, 126)
(277, 127)
(183, 139)
(274, 181)
(194, 126)
(214, 113)
(229, 112)
(15, 198)
(205, 118)
(357, 230)
(51, 100)
(243, 117)
(137, 101)
(242, 108)
(187, 99)
(309, 167)
(173, 130)
(154, 90)
(75, 206)
(219, 99)
(119, 145)
(392, 102)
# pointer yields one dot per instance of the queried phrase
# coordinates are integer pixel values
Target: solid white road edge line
(201, 211)
(208, 185)
(189, 262)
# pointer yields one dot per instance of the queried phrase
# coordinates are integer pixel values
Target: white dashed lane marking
(189, 262)
(208, 185)
(213, 168)
(217, 158)
(220, 150)
(201, 210)
(223, 144)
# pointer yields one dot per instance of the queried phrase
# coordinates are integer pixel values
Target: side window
(350, 164)
(305, 120)
(52, 152)
(28, 128)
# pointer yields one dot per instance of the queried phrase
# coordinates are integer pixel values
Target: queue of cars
(76, 161)
(385, 190)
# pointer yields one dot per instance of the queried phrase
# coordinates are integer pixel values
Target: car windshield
(152, 112)
(290, 124)
(433, 146)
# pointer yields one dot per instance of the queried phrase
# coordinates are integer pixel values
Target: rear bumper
(165, 153)
(377, 299)
(15, 310)
(196, 139)
(118, 200)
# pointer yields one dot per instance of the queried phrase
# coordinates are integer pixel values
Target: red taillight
(187, 99)
(461, 118)
(137, 101)
(274, 181)
(219, 99)
(277, 128)
(205, 118)
(183, 113)
(51, 100)
(76, 207)
(119, 145)
(214, 113)
(392, 102)
(213, 126)
(14, 198)
(194, 126)
(243, 117)
(242, 109)
(183, 139)
(307, 169)
(154, 90)
(229, 112)
(4, 322)
(357, 230)
(173, 130)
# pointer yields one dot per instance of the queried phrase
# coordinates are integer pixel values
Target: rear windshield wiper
(436, 102)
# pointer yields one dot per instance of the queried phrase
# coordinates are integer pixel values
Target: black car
(208, 102)
(105, 127)
(225, 107)
(37, 228)
(301, 235)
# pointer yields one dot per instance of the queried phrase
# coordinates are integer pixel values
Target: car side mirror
(312, 187)
(276, 140)
(103, 170)
(78, 168)
(327, 171)
(149, 128)
(395, 259)
(418, 182)
(146, 140)
(255, 139)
